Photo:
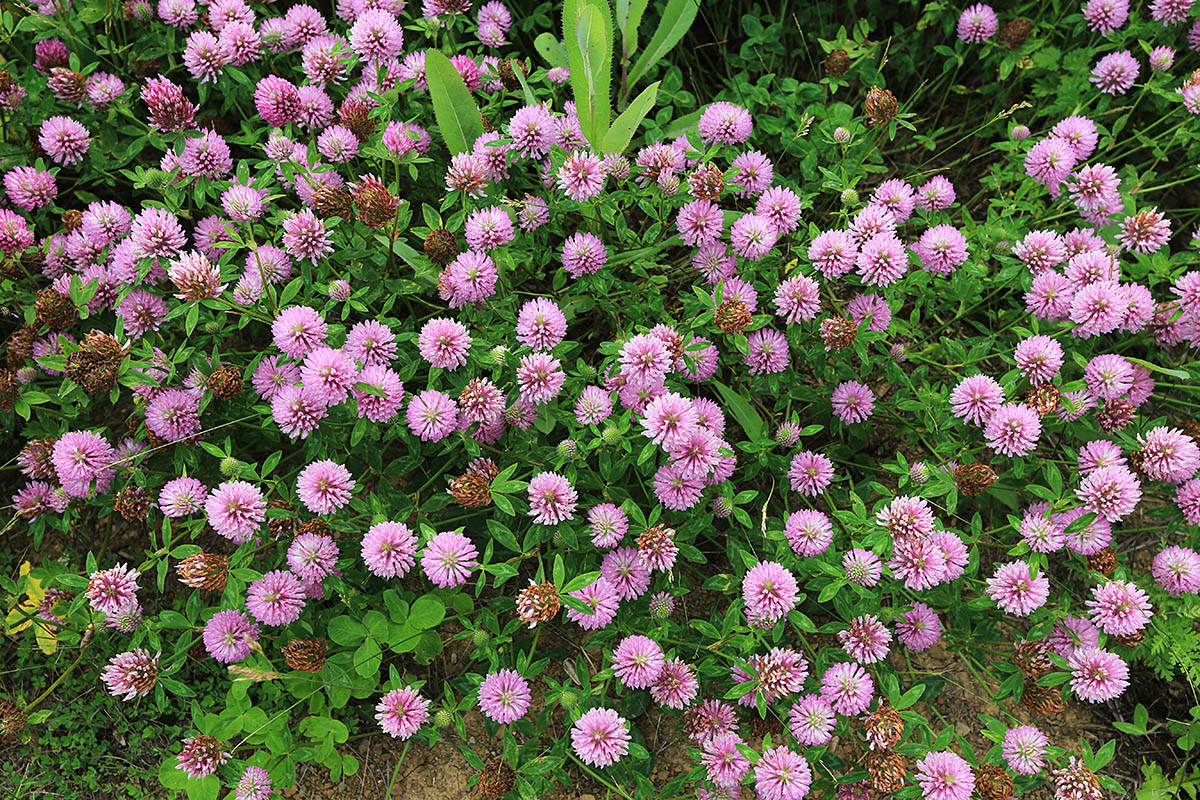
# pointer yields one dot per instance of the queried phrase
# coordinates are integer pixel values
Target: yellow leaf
(45, 637)
(24, 615)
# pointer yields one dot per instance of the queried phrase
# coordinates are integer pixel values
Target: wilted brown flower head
(838, 333)
(538, 602)
(206, 571)
(837, 62)
(306, 655)
(95, 365)
(733, 316)
(881, 106)
(973, 479)
(374, 205)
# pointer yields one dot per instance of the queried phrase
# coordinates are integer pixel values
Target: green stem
(66, 673)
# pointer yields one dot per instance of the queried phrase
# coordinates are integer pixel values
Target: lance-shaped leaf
(626, 125)
(676, 20)
(551, 49)
(629, 18)
(587, 34)
(455, 110)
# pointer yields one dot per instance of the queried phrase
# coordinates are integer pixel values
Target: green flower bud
(610, 436)
(481, 637)
(230, 467)
(849, 197)
(443, 718)
(568, 699)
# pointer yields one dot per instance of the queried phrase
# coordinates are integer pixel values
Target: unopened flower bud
(849, 197)
(230, 467)
(442, 718)
(610, 436)
(480, 637)
(841, 134)
(568, 699)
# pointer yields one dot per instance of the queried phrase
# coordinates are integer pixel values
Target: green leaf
(629, 19)
(551, 49)
(530, 98)
(427, 611)
(206, 788)
(580, 581)
(367, 388)
(625, 125)
(367, 658)
(587, 34)
(1079, 524)
(911, 696)
(346, 631)
(455, 110)
(1182, 375)
(742, 411)
(676, 19)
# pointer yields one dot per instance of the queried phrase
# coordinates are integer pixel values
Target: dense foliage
(661, 367)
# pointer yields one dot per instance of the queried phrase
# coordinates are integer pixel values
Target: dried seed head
(884, 727)
(473, 489)
(316, 527)
(993, 783)
(836, 63)
(1044, 399)
(356, 115)
(886, 769)
(881, 106)
(10, 388)
(12, 722)
(36, 459)
(1044, 700)
(72, 219)
(1033, 658)
(282, 527)
(53, 310)
(706, 182)
(538, 602)
(1104, 561)
(508, 74)
(20, 345)
(1115, 414)
(1076, 782)
(497, 779)
(205, 571)
(94, 366)
(973, 479)
(226, 382)
(733, 316)
(838, 333)
(374, 205)
(656, 547)
(441, 246)
(306, 655)
(68, 85)
(333, 201)
(1012, 36)
(132, 503)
